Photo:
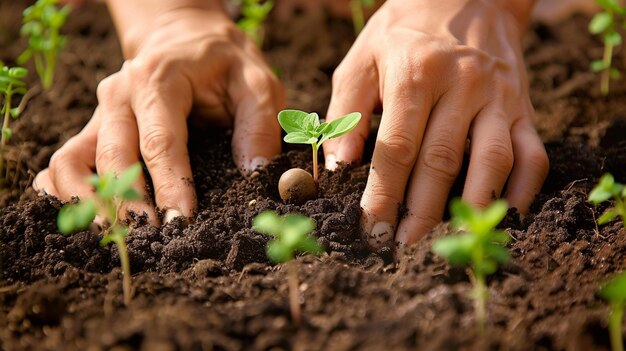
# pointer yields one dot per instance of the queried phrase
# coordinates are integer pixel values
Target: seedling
(481, 247)
(305, 128)
(291, 234)
(11, 84)
(358, 19)
(253, 15)
(41, 24)
(110, 192)
(614, 292)
(605, 23)
(607, 189)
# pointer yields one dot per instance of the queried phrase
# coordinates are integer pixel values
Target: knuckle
(106, 89)
(497, 155)
(442, 161)
(156, 144)
(398, 150)
(157, 63)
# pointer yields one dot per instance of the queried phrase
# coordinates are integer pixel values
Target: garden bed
(208, 285)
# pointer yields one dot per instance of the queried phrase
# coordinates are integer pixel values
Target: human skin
(442, 72)
(174, 61)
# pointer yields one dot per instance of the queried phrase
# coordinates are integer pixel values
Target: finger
(257, 96)
(491, 157)
(405, 113)
(530, 168)
(438, 165)
(118, 141)
(161, 103)
(355, 89)
(74, 162)
(43, 184)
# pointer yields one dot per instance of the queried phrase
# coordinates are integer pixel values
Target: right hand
(188, 58)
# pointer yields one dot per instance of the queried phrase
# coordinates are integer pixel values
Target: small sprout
(296, 186)
(607, 189)
(291, 234)
(614, 292)
(358, 19)
(110, 192)
(481, 247)
(41, 24)
(11, 84)
(305, 128)
(605, 23)
(253, 15)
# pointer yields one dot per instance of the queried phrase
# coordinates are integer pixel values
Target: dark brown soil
(208, 285)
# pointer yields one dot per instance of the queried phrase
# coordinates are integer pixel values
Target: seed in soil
(291, 234)
(305, 128)
(481, 247)
(111, 191)
(297, 186)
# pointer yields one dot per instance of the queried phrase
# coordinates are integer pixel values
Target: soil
(208, 284)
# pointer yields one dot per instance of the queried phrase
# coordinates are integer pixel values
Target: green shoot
(291, 234)
(358, 19)
(614, 292)
(481, 247)
(110, 192)
(305, 128)
(253, 15)
(11, 83)
(605, 24)
(41, 24)
(606, 189)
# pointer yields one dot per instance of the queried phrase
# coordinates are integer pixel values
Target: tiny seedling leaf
(341, 126)
(74, 217)
(267, 222)
(612, 38)
(7, 133)
(299, 138)
(608, 216)
(600, 22)
(615, 73)
(454, 248)
(293, 120)
(598, 65)
(615, 289)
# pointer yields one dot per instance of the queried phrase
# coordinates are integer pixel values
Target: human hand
(187, 57)
(443, 71)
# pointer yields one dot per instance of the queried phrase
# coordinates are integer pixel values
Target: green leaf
(493, 215)
(341, 126)
(603, 191)
(600, 22)
(598, 65)
(18, 72)
(312, 121)
(15, 112)
(116, 235)
(611, 5)
(7, 133)
(500, 237)
(486, 267)
(267, 222)
(299, 138)
(608, 216)
(454, 248)
(310, 245)
(278, 253)
(293, 120)
(299, 223)
(612, 38)
(462, 213)
(615, 289)
(127, 179)
(76, 217)
(498, 253)
(615, 73)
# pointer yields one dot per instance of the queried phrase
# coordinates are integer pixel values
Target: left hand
(444, 71)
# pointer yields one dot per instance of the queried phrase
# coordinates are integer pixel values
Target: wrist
(134, 19)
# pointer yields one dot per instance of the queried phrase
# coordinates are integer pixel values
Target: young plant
(11, 84)
(41, 24)
(253, 15)
(614, 292)
(358, 19)
(111, 191)
(605, 23)
(607, 189)
(291, 234)
(481, 247)
(305, 128)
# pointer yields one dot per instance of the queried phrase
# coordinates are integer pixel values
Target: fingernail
(380, 235)
(256, 163)
(331, 162)
(171, 214)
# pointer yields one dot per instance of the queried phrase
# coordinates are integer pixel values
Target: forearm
(133, 18)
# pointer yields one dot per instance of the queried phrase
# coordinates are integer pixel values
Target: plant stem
(5, 126)
(294, 292)
(606, 73)
(358, 19)
(126, 282)
(315, 173)
(615, 327)
(480, 295)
